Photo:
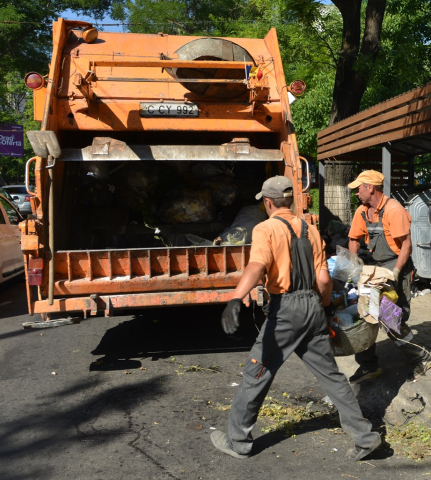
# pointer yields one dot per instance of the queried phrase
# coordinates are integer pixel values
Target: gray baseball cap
(276, 187)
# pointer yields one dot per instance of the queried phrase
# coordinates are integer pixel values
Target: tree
(351, 78)
(25, 45)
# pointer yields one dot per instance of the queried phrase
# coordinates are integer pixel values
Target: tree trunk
(350, 84)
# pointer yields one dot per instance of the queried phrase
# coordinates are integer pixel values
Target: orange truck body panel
(94, 90)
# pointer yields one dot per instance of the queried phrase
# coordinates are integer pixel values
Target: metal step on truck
(151, 150)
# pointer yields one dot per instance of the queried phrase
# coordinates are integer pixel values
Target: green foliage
(309, 33)
(423, 170)
(404, 61)
(412, 440)
(311, 112)
(25, 45)
(314, 194)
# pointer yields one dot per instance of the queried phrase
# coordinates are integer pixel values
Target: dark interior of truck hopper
(149, 204)
(115, 205)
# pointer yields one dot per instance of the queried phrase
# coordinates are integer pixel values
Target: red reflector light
(297, 87)
(34, 80)
(35, 269)
(27, 198)
(35, 276)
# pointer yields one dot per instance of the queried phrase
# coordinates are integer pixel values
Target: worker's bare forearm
(406, 249)
(252, 275)
(324, 285)
(354, 245)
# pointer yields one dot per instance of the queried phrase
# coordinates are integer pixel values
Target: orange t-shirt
(271, 247)
(396, 223)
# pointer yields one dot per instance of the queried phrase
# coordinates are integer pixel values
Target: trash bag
(348, 266)
(224, 189)
(239, 233)
(390, 314)
(336, 227)
(144, 181)
(392, 295)
(188, 207)
(331, 265)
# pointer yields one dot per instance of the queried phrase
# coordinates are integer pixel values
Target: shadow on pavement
(13, 289)
(161, 333)
(97, 418)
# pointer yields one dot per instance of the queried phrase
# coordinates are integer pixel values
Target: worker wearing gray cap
(291, 255)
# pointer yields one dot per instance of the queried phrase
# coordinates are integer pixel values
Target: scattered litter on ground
(425, 292)
(285, 416)
(412, 440)
(53, 373)
(219, 406)
(234, 384)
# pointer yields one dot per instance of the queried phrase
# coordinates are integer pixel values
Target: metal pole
(386, 168)
(51, 164)
(322, 219)
(412, 172)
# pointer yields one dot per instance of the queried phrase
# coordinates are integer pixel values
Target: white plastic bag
(348, 266)
(239, 233)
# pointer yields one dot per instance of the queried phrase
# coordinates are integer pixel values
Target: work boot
(221, 442)
(415, 354)
(358, 453)
(365, 373)
(420, 369)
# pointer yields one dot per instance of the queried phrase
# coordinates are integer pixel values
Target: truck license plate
(159, 109)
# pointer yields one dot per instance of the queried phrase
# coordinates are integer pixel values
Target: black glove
(230, 316)
(329, 310)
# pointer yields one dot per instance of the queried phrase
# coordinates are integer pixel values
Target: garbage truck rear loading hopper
(148, 142)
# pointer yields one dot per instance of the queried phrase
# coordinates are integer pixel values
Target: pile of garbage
(363, 294)
(176, 193)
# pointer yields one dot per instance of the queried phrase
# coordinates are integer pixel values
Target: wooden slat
(378, 140)
(396, 125)
(395, 114)
(378, 109)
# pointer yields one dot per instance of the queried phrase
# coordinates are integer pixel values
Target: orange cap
(368, 176)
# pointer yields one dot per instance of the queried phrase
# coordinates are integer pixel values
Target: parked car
(8, 197)
(20, 196)
(11, 258)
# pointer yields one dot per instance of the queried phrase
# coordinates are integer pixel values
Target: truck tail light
(297, 87)
(27, 198)
(35, 270)
(34, 80)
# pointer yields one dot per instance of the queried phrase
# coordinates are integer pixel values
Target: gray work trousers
(296, 323)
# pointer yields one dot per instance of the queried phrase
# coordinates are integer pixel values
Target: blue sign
(11, 140)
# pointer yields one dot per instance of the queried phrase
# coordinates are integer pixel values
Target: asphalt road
(136, 397)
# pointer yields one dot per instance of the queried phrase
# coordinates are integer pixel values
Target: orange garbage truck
(150, 153)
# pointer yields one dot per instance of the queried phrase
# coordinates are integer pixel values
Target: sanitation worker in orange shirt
(385, 224)
(291, 254)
